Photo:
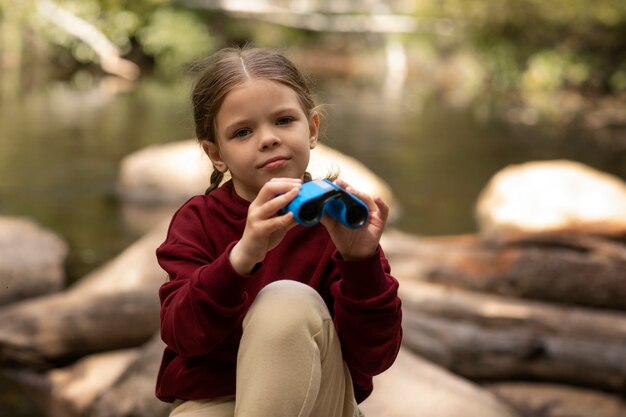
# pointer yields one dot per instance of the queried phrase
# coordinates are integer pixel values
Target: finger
(283, 222)
(271, 189)
(271, 207)
(383, 209)
(363, 196)
(328, 222)
(342, 183)
(360, 194)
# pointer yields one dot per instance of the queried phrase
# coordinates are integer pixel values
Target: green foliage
(618, 79)
(174, 37)
(481, 13)
(500, 58)
(537, 45)
(116, 23)
(553, 68)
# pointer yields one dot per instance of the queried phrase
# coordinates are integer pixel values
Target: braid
(216, 179)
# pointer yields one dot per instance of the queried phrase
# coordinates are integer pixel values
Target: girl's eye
(284, 120)
(241, 133)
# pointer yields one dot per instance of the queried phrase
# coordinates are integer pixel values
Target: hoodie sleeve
(368, 318)
(205, 298)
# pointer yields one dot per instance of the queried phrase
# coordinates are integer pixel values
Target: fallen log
(114, 307)
(23, 275)
(555, 400)
(110, 384)
(50, 330)
(568, 268)
(490, 337)
(74, 388)
(133, 392)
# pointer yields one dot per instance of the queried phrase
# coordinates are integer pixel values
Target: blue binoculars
(323, 196)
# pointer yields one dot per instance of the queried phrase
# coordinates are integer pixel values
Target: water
(61, 143)
(60, 146)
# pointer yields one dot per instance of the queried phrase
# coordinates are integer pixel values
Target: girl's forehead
(255, 85)
(256, 98)
(260, 92)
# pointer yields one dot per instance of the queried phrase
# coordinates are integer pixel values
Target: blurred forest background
(537, 53)
(434, 96)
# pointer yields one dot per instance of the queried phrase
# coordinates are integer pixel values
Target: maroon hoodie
(205, 300)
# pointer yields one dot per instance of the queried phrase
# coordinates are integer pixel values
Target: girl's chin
(286, 175)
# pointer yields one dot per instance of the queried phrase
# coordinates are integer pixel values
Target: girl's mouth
(274, 163)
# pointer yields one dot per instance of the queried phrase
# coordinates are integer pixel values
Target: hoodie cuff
(363, 278)
(224, 282)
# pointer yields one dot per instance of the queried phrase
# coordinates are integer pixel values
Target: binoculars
(323, 196)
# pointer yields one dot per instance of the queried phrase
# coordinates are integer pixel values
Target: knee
(287, 306)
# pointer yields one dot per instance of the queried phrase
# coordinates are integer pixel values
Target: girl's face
(262, 133)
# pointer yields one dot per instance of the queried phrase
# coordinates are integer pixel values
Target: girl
(262, 317)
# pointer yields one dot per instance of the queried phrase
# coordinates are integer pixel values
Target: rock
(133, 269)
(173, 172)
(31, 260)
(325, 160)
(552, 196)
(168, 173)
(414, 387)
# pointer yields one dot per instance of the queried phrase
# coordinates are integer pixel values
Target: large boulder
(32, 260)
(414, 387)
(173, 172)
(168, 173)
(552, 196)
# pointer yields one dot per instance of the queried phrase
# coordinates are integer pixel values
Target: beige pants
(289, 362)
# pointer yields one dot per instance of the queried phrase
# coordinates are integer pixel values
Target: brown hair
(230, 67)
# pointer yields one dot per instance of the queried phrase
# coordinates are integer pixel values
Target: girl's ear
(213, 152)
(314, 128)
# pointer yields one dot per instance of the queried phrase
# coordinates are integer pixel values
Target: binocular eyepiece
(323, 196)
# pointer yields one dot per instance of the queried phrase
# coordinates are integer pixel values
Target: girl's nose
(269, 140)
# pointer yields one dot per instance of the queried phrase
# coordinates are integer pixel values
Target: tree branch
(109, 53)
(316, 21)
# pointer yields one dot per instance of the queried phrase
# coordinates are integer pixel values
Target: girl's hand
(360, 243)
(264, 229)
